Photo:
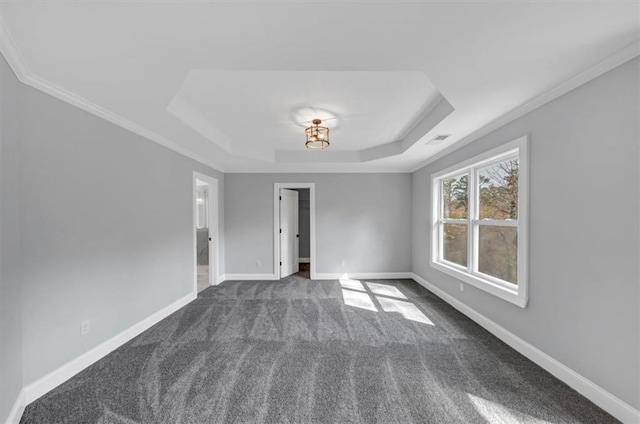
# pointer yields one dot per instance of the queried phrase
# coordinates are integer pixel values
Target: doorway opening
(304, 232)
(294, 235)
(205, 218)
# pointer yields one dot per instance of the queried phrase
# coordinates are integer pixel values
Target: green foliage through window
(455, 192)
(498, 185)
(455, 243)
(498, 252)
(496, 188)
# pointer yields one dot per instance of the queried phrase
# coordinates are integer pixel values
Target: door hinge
(280, 263)
(280, 197)
(280, 230)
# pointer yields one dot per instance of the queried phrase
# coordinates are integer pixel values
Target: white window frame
(516, 294)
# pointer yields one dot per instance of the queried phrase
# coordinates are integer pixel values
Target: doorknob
(209, 238)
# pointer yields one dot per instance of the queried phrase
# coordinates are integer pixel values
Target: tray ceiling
(232, 83)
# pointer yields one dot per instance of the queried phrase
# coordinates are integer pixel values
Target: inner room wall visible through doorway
(304, 247)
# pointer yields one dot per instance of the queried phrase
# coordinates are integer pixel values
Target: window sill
(517, 295)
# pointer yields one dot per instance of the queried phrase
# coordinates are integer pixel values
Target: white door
(212, 259)
(206, 199)
(288, 232)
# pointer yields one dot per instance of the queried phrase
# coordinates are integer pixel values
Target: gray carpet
(302, 351)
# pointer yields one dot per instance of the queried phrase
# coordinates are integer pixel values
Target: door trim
(276, 225)
(214, 232)
(289, 240)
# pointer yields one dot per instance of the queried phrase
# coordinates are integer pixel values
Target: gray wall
(304, 223)
(584, 231)
(10, 285)
(364, 219)
(107, 229)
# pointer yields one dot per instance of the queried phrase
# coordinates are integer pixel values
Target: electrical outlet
(258, 263)
(85, 327)
(461, 287)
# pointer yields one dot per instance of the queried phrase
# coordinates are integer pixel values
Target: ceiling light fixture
(317, 136)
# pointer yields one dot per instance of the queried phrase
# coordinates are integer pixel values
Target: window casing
(479, 221)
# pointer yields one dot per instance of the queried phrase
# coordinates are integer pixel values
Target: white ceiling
(233, 83)
(259, 113)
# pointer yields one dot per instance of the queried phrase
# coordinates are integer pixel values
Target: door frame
(276, 225)
(214, 233)
(294, 237)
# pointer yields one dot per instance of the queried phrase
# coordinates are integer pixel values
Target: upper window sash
(473, 192)
(467, 166)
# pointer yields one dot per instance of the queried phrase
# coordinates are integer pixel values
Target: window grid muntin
(473, 213)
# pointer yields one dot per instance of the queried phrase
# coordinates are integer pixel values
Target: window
(480, 221)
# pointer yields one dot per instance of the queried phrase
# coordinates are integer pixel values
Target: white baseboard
(258, 277)
(220, 279)
(18, 409)
(304, 260)
(320, 276)
(363, 275)
(43, 385)
(596, 394)
(616, 407)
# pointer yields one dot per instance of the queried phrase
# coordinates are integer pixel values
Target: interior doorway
(205, 217)
(289, 234)
(304, 242)
(294, 229)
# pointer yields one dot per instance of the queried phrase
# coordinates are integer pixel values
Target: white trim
(494, 222)
(596, 394)
(18, 409)
(44, 384)
(221, 278)
(610, 403)
(516, 294)
(499, 290)
(250, 277)
(214, 228)
(94, 109)
(26, 76)
(12, 54)
(323, 276)
(365, 275)
(495, 155)
(276, 225)
(304, 260)
(622, 56)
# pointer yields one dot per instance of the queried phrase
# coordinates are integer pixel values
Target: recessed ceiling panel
(266, 111)
(228, 83)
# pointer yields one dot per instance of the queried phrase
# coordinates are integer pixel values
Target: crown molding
(622, 56)
(12, 55)
(19, 66)
(84, 104)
